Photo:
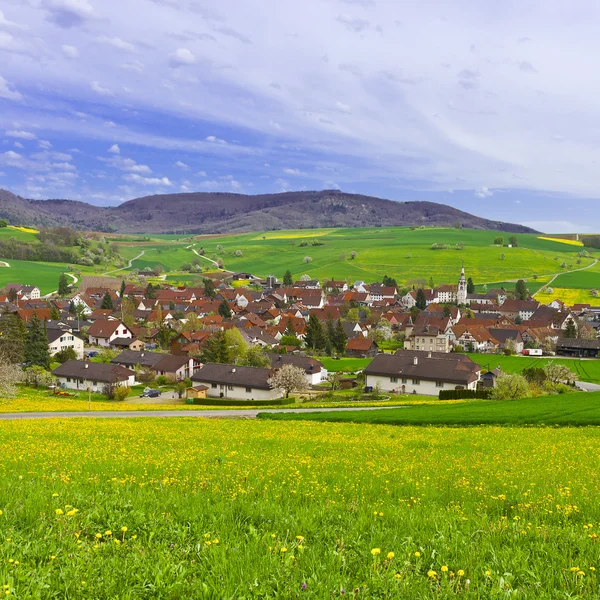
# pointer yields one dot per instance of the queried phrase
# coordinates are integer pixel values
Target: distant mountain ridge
(207, 212)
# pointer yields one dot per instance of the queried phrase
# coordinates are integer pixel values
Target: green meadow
(44, 275)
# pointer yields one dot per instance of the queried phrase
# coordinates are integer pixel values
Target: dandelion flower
(283, 550)
(98, 535)
(417, 554)
(376, 551)
(59, 511)
(124, 529)
(431, 574)
(460, 573)
(390, 555)
(108, 532)
(444, 569)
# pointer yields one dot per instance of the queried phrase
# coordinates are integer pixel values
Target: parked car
(150, 394)
(92, 353)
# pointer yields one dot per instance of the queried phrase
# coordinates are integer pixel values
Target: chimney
(415, 360)
(87, 365)
(429, 355)
(233, 370)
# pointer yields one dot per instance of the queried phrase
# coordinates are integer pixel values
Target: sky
(489, 107)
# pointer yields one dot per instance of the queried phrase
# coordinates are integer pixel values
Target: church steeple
(461, 294)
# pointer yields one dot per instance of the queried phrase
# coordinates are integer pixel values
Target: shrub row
(232, 402)
(464, 394)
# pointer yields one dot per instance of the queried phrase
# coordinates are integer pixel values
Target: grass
(43, 275)
(349, 365)
(257, 509)
(585, 370)
(578, 408)
(568, 296)
(399, 252)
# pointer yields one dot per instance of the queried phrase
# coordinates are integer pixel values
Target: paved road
(588, 387)
(129, 264)
(206, 414)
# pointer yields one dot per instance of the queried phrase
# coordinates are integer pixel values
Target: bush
(161, 380)
(510, 386)
(121, 392)
(65, 355)
(465, 394)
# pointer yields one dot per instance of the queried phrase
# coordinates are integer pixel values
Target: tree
(63, 285)
(558, 373)
(38, 377)
(256, 357)
(470, 286)
(106, 356)
(215, 349)
(334, 379)
(3, 223)
(121, 392)
(340, 338)
(421, 300)
(12, 295)
(236, 346)
(288, 379)
(289, 330)
(503, 256)
(315, 335)
(224, 309)
(307, 259)
(122, 290)
(329, 336)
(107, 303)
(571, 329)
(36, 344)
(431, 283)
(513, 241)
(521, 290)
(65, 355)
(12, 339)
(510, 386)
(10, 376)
(288, 281)
(209, 288)
(389, 281)
(353, 255)
(499, 241)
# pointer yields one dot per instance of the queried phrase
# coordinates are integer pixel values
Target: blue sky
(490, 107)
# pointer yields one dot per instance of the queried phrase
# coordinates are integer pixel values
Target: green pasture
(43, 275)
(588, 279)
(22, 236)
(574, 409)
(348, 365)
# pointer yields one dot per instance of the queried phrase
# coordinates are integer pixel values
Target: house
(177, 367)
(474, 338)
(232, 381)
(427, 337)
(508, 338)
(61, 339)
(123, 343)
(82, 375)
(488, 379)
(416, 372)
(104, 331)
(522, 309)
(24, 292)
(315, 371)
(360, 347)
(578, 347)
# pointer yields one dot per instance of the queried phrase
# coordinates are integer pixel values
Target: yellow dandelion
(460, 573)
(444, 569)
(98, 535)
(108, 532)
(417, 554)
(283, 550)
(124, 529)
(431, 574)
(59, 511)
(300, 538)
(390, 555)
(376, 551)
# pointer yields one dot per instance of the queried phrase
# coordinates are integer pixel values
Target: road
(73, 277)
(129, 265)
(588, 387)
(210, 260)
(547, 285)
(242, 413)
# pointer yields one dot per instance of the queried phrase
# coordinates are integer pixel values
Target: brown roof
(233, 375)
(360, 343)
(79, 369)
(104, 328)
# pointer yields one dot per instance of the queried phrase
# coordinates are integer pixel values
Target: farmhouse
(427, 337)
(24, 292)
(578, 347)
(104, 331)
(361, 347)
(415, 372)
(59, 340)
(178, 367)
(232, 381)
(80, 375)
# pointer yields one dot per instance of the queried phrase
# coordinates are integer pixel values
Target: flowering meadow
(193, 508)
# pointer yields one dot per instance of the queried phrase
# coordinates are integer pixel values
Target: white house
(314, 370)
(59, 340)
(84, 376)
(427, 373)
(235, 382)
(103, 332)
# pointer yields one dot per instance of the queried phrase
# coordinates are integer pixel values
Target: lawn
(579, 408)
(349, 365)
(568, 296)
(585, 370)
(43, 275)
(255, 509)
(399, 252)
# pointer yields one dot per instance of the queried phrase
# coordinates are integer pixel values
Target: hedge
(464, 394)
(232, 402)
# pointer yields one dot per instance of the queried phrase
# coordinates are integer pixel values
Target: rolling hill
(239, 213)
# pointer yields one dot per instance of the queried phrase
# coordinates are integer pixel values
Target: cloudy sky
(491, 107)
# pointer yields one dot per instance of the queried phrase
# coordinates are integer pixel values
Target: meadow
(43, 275)
(402, 253)
(257, 509)
(568, 296)
(573, 409)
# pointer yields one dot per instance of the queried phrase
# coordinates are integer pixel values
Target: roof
(431, 366)
(105, 372)
(132, 358)
(254, 377)
(578, 344)
(104, 328)
(54, 334)
(310, 365)
(360, 343)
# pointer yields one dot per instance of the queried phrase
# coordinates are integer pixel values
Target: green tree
(431, 283)
(65, 355)
(54, 314)
(470, 286)
(421, 301)
(315, 334)
(521, 290)
(513, 241)
(63, 285)
(209, 288)
(236, 346)
(256, 357)
(570, 330)
(107, 302)
(499, 241)
(330, 336)
(36, 344)
(3, 223)
(340, 338)
(12, 339)
(510, 386)
(122, 290)
(224, 309)
(389, 281)
(288, 281)
(215, 349)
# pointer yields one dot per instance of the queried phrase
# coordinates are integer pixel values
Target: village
(266, 339)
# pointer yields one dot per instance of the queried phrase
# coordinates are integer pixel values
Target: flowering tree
(288, 379)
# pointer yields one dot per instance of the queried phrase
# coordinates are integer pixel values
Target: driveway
(588, 387)
(205, 414)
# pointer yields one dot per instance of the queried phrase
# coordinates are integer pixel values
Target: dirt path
(129, 264)
(547, 285)
(210, 260)
(3, 263)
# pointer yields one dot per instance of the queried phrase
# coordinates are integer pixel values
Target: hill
(239, 213)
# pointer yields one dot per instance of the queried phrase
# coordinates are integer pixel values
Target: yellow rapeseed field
(562, 241)
(187, 508)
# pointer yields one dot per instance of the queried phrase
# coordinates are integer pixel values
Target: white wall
(426, 388)
(239, 392)
(67, 340)
(84, 384)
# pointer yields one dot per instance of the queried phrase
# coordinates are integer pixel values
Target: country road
(547, 285)
(129, 265)
(73, 277)
(205, 414)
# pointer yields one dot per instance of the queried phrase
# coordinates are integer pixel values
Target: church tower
(461, 294)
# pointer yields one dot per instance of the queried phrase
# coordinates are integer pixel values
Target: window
(230, 388)
(68, 380)
(248, 390)
(394, 379)
(214, 385)
(416, 382)
(404, 380)
(439, 384)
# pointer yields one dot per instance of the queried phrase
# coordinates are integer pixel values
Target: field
(257, 509)
(44, 275)
(398, 252)
(585, 370)
(574, 409)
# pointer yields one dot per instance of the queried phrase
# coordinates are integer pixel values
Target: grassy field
(577, 409)
(399, 252)
(350, 365)
(44, 275)
(568, 296)
(256, 509)
(585, 370)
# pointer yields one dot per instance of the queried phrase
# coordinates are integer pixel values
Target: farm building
(577, 347)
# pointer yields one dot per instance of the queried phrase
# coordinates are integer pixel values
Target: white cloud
(109, 124)
(12, 159)
(294, 172)
(70, 51)
(147, 180)
(214, 140)
(201, 173)
(182, 57)
(100, 90)
(4, 22)
(117, 43)
(210, 185)
(114, 149)
(354, 24)
(343, 107)
(483, 192)
(20, 134)
(18, 145)
(6, 92)
(134, 65)
(181, 165)
(44, 145)
(68, 13)
(64, 166)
